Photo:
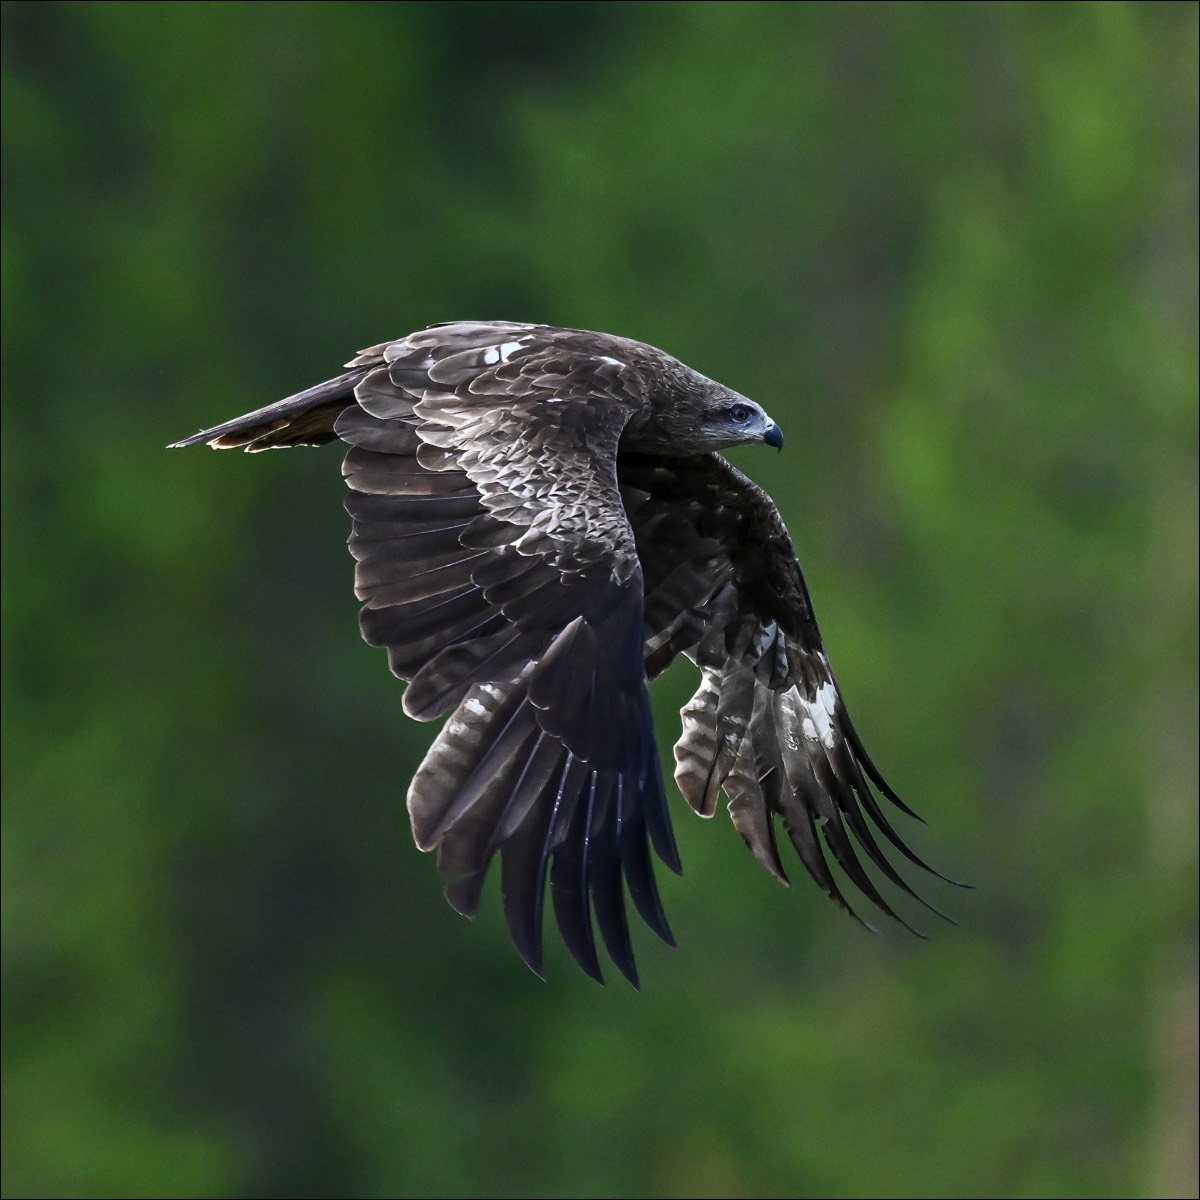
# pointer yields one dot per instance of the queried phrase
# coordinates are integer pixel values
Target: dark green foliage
(950, 248)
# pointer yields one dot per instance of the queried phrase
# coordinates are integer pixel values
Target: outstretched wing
(499, 571)
(767, 724)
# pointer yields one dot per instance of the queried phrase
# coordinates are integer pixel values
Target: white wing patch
(818, 713)
(501, 353)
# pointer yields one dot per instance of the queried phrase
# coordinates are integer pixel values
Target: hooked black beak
(774, 436)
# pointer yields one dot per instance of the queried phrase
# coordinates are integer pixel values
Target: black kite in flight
(541, 523)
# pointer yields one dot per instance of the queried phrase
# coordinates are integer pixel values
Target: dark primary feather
(540, 526)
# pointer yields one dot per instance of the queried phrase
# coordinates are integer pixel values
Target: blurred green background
(952, 249)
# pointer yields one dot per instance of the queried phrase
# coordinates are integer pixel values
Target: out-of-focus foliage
(952, 248)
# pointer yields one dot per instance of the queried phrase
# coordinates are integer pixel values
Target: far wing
(767, 724)
(498, 569)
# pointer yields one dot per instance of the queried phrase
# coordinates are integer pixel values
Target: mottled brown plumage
(541, 524)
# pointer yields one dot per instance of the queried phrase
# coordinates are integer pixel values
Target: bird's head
(689, 413)
(728, 419)
(700, 419)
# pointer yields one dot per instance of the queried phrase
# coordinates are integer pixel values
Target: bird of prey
(542, 523)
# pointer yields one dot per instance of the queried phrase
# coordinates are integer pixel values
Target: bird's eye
(739, 414)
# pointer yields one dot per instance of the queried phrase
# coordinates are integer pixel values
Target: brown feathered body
(541, 524)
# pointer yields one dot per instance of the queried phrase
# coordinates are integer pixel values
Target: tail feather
(305, 419)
